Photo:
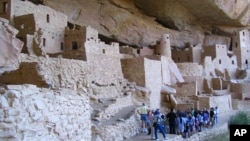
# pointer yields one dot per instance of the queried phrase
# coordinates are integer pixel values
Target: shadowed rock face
(143, 22)
(212, 12)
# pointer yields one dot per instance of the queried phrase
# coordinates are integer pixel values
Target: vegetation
(240, 118)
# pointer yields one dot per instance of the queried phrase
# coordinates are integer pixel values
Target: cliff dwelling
(60, 81)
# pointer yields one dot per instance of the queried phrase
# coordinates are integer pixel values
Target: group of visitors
(152, 122)
(178, 122)
(192, 121)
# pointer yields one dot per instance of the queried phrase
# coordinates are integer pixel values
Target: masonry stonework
(73, 86)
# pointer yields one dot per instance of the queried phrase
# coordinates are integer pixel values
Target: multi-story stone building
(219, 58)
(189, 54)
(241, 48)
(40, 27)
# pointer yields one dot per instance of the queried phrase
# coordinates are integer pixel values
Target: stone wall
(129, 51)
(210, 40)
(188, 54)
(224, 102)
(51, 22)
(53, 72)
(145, 72)
(240, 47)
(10, 46)
(25, 74)
(144, 51)
(184, 106)
(220, 60)
(103, 60)
(240, 90)
(200, 82)
(216, 83)
(31, 113)
(241, 104)
(209, 69)
(186, 89)
(59, 72)
(116, 106)
(57, 19)
(190, 69)
(153, 81)
(133, 70)
(74, 40)
(167, 76)
(120, 131)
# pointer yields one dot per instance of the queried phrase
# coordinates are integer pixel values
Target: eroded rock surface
(142, 22)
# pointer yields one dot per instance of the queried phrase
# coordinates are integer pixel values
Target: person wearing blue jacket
(157, 124)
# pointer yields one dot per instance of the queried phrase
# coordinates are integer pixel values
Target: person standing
(151, 127)
(171, 117)
(157, 125)
(211, 114)
(216, 115)
(143, 111)
(200, 119)
(181, 124)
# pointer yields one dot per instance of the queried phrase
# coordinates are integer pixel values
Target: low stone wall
(115, 107)
(120, 131)
(30, 113)
(206, 134)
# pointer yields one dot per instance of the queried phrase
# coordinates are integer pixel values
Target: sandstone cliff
(142, 22)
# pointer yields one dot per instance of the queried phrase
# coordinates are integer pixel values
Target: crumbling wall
(25, 74)
(49, 72)
(130, 52)
(51, 22)
(57, 19)
(10, 47)
(31, 113)
(240, 90)
(116, 106)
(66, 73)
(122, 130)
(191, 53)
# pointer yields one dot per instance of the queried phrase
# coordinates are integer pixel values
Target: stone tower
(165, 49)
(241, 48)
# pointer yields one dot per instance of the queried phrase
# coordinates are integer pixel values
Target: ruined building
(70, 85)
(40, 27)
